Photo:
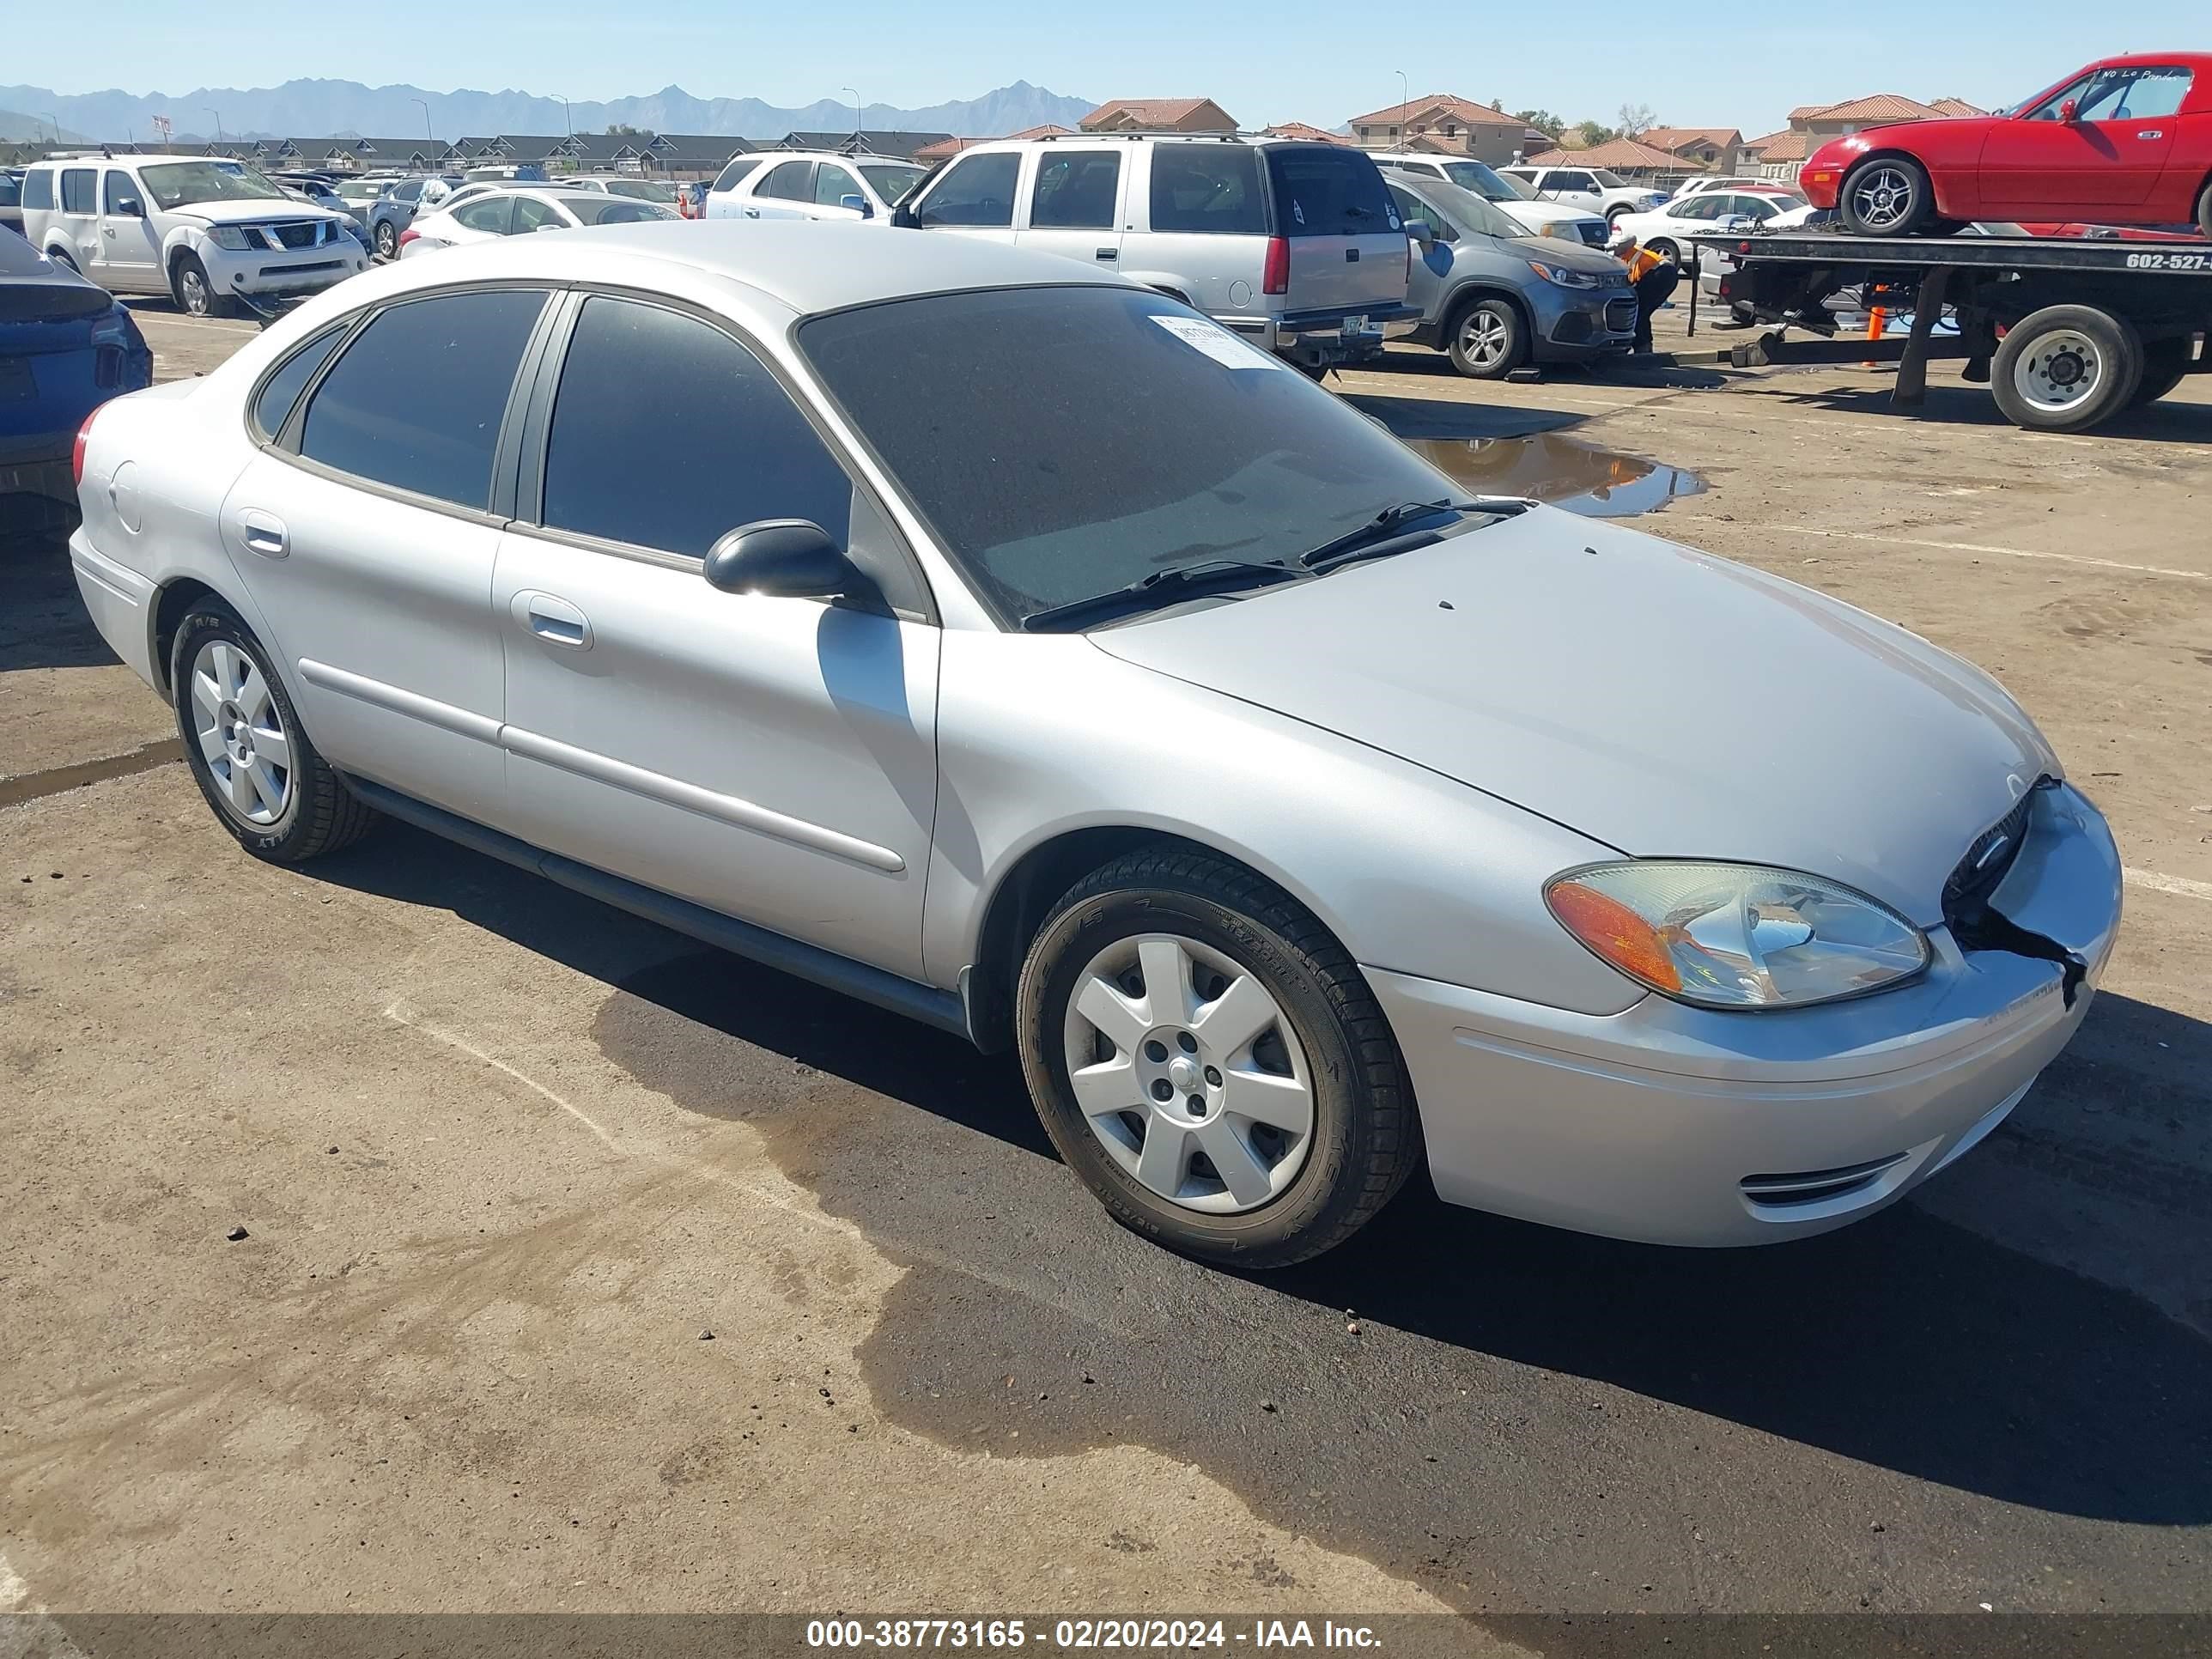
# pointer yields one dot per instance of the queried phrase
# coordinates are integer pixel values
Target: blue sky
(1726, 66)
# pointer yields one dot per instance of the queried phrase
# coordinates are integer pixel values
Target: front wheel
(1487, 340)
(195, 293)
(1207, 1058)
(2064, 369)
(268, 785)
(2204, 211)
(1888, 196)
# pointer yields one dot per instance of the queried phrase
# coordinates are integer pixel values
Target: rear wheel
(1888, 196)
(268, 785)
(62, 256)
(387, 240)
(2064, 369)
(1207, 1058)
(1487, 339)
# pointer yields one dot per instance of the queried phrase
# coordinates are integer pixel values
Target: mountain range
(335, 109)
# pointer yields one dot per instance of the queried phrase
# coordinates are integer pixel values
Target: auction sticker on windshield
(1216, 342)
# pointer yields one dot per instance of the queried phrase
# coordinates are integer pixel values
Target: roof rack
(1135, 133)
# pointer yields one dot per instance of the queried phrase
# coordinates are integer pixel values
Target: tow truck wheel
(2064, 369)
(2204, 211)
(1886, 196)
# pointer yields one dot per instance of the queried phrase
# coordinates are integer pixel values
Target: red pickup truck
(2127, 141)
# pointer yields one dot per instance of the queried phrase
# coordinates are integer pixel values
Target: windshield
(615, 209)
(641, 190)
(891, 182)
(363, 189)
(1490, 186)
(1609, 180)
(1066, 441)
(1466, 209)
(175, 184)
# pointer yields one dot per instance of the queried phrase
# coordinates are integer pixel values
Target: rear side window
(737, 172)
(494, 213)
(77, 191)
(668, 433)
(416, 402)
(1076, 190)
(1211, 189)
(792, 181)
(281, 390)
(38, 188)
(976, 192)
(1324, 190)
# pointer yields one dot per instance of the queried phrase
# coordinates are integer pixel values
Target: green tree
(1595, 132)
(1542, 120)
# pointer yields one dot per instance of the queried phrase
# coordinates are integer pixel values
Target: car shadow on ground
(1905, 1343)
(43, 621)
(2170, 420)
(1605, 371)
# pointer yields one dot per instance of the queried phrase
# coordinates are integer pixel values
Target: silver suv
(1297, 246)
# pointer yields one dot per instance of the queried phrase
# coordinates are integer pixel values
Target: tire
(62, 256)
(1886, 196)
(386, 238)
(1487, 338)
(1205, 928)
(1619, 210)
(1664, 247)
(2064, 369)
(228, 705)
(2204, 211)
(2165, 364)
(194, 293)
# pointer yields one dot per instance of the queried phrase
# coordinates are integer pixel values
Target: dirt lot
(584, 1269)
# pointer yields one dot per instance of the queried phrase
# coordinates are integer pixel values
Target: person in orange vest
(1653, 278)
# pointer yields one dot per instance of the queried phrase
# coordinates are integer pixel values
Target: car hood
(1658, 699)
(1569, 256)
(1551, 213)
(252, 212)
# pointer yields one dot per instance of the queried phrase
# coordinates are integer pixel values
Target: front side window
(416, 401)
(832, 185)
(117, 189)
(77, 191)
(1209, 190)
(2135, 94)
(984, 406)
(667, 434)
(1570, 181)
(892, 182)
(1076, 190)
(1321, 190)
(792, 181)
(977, 192)
(175, 184)
(530, 213)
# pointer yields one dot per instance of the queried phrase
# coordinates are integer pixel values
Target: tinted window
(416, 400)
(77, 191)
(408, 192)
(116, 188)
(1321, 190)
(1570, 181)
(986, 406)
(1411, 207)
(1214, 188)
(38, 188)
(891, 182)
(975, 191)
(832, 185)
(790, 181)
(668, 433)
(530, 213)
(8, 193)
(494, 213)
(737, 172)
(281, 390)
(1076, 190)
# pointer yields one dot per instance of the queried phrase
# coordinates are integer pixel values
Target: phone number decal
(2170, 261)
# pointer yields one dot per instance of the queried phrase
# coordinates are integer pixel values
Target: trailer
(2065, 331)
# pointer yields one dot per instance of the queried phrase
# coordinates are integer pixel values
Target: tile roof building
(1779, 154)
(1626, 156)
(1445, 122)
(1158, 115)
(1714, 149)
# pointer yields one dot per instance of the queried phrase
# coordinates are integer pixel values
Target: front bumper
(1575, 325)
(1680, 1126)
(272, 276)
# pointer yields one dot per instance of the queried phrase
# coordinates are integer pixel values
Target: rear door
(1074, 204)
(975, 197)
(1347, 246)
(1206, 235)
(723, 200)
(78, 216)
(127, 242)
(785, 190)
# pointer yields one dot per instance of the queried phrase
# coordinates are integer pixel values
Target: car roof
(867, 157)
(806, 265)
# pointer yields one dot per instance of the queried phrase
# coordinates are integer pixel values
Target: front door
(975, 197)
(1075, 202)
(2042, 165)
(773, 759)
(367, 542)
(834, 185)
(132, 253)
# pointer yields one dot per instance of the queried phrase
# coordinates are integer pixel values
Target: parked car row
(521, 211)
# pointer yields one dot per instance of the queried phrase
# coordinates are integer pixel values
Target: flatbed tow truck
(2066, 331)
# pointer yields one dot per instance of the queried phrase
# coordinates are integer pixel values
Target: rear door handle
(752, 213)
(263, 533)
(553, 620)
(1352, 256)
(1109, 253)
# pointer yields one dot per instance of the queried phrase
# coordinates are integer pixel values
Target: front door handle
(263, 533)
(553, 620)
(2155, 132)
(1109, 253)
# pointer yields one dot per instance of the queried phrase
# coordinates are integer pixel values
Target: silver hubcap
(195, 290)
(2060, 371)
(241, 736)
(1880, 196)
(385, 241)
(1483, 338)
(1189, 1074)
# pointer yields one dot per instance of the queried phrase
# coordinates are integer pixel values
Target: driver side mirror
(131, 207)
(857, 204)
(2070, 109)
(782, 559)
(1421, 231)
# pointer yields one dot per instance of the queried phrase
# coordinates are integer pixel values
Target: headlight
(1557, 227)
(1563, 277)
(230, 236)
(1736, 935)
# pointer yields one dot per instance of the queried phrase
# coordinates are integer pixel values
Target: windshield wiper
(1177, 582)
(1386, 526)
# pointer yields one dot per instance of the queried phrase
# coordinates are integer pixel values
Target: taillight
(410, 234)
(1277, 277)
(77, 449)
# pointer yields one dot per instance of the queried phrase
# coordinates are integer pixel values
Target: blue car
(66, 347)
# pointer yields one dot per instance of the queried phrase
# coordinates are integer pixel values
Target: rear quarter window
(38, 188)
(1324, 190)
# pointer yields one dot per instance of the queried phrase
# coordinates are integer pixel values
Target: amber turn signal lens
(1615, 933)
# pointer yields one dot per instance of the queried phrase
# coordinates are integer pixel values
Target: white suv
(1296, 246)
(805, 183)
(207, 233)
(1567, 224)
(1591, 189)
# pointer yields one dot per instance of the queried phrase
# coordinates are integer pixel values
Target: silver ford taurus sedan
(1007, 645)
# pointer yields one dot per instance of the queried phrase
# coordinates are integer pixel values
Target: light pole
(56, 122)
(423, 105)
(856, 110)
(1405, 92)
(218, 114)
(567, 120)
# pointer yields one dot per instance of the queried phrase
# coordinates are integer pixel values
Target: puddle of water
(1600, 483)
(35, 786)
